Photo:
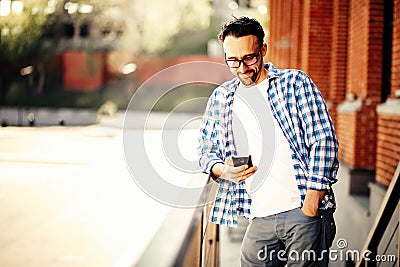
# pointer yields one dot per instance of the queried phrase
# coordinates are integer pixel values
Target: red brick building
(341, 44)
(351, 49)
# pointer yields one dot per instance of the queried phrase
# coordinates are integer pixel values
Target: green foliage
(21, 35)
(17, 94)
(151, 25)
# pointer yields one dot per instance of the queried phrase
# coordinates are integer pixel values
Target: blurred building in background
(86, 45)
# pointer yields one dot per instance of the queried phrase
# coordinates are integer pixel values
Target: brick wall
(357, 64)
(388, 136)
(297, 34)
(317, 50)
(286, 36)
(338, 75)
(388, 147)
(303, 40)
(395, 79)
(339, 44)
(373, 90)
(347, 130)
(283, 41)
(365, 139)
(356, 130)
(364, 68)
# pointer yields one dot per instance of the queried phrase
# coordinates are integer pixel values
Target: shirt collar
(272, 71)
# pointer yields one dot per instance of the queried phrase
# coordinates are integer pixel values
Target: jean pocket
(307, 216)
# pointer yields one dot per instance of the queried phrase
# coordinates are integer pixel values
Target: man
(290, 212)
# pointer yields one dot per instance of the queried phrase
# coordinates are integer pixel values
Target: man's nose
(242, 68)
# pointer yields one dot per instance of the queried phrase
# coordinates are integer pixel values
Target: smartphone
(238, 161)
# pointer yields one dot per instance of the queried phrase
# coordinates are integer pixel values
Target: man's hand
(234, 174)
(311, 202)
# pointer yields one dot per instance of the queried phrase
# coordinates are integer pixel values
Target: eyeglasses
(247, 60)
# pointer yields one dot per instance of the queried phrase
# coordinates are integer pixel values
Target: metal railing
(201, 244)
(185, 238)
(388, 206)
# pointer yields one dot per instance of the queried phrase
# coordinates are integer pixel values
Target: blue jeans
(291, 238)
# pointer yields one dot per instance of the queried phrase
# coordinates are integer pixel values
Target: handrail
(382, 220)
(210, 241)
(185, 238)
(192, 244)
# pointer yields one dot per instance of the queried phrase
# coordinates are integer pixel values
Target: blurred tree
(23, 49)
(151, 25)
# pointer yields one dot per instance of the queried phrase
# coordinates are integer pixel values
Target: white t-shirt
(273, 188)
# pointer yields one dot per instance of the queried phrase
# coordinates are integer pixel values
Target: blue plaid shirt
(301, 112)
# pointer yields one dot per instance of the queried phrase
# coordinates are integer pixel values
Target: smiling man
(242, 59)
(291, 211)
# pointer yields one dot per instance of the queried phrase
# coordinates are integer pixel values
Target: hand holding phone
(235, 172)
(239, 161)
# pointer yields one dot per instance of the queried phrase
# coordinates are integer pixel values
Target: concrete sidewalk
(67, 199)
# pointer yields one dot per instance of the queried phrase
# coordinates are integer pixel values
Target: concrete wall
(47, 116)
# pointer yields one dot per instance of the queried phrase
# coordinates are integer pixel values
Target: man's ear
(264, 49)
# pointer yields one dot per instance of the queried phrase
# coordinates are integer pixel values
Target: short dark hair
(243, 26)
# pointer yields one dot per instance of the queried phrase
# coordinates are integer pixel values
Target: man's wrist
(315, 195)
(215, 178)
(312, 201)
(216, 170)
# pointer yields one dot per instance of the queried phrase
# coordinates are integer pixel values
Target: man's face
(245, 48)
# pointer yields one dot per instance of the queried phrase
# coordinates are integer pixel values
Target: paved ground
(67, 199)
